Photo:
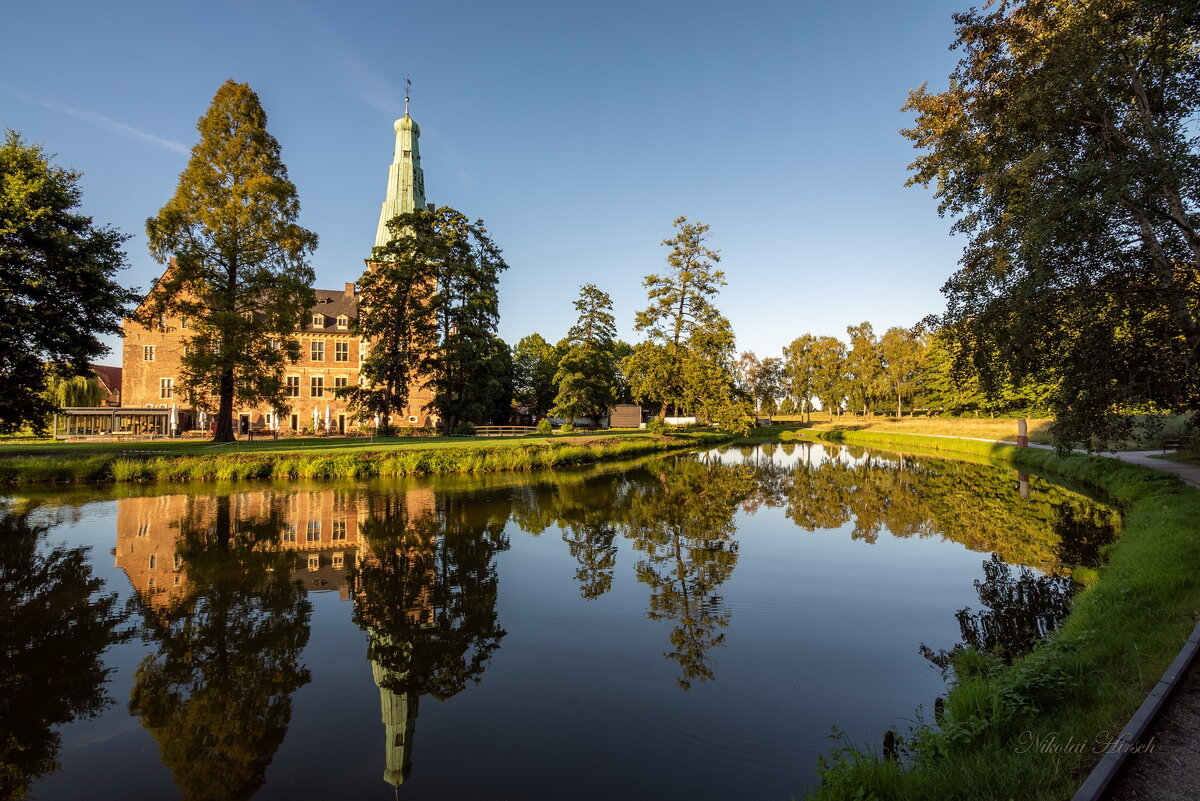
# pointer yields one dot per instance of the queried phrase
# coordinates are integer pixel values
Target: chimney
(430, 206)
(349, 289)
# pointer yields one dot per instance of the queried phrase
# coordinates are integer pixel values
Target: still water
(681, 627)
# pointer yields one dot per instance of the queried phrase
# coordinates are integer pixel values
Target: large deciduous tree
(57, 292)
(687, 358)
(396, 317)
(587, 372)
(468, 374)
(535, 361)
(239, 270)
(1066, 150)
(900, 351)
(429, 308)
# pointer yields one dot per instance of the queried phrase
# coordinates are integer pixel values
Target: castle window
(296, 417)
(339, 530)
(313, 533)
(314, 562)
(166, 387)
(341, 351)
(339, 381)
(343, 321)
(289, 532)
(153, 561)
(318, 320)
(183, 321)
(248, 316)
(316, 387)
(339, 561)
(293, 387)
(148, 353)
(317, 351)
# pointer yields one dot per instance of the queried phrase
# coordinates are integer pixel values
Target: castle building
(330, 356)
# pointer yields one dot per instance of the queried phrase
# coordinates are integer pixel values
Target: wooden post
(1022, 433)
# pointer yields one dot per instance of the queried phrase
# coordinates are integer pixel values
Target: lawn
(298, 445)
(180, 461)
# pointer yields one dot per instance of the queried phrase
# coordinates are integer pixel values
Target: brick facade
(329, 356)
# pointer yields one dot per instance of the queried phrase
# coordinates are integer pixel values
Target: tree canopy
(396, 315)
(687, 358)
(587, 372)
(1065, 148)
(535, 361)
(238, 262)
(57, 292)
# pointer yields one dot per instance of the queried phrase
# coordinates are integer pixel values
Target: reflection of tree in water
(217, 694)
(684, 526)
(588, 510)
(975, 505)
(54, 627)
(1021, 607)
(425, 592)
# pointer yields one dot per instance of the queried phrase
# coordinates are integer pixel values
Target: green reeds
(470, 457)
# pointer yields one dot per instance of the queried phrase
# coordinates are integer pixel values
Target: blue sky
(576, 131)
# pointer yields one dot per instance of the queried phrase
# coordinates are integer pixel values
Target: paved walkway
(1189, 473)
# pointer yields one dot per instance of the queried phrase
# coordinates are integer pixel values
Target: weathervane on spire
(407, 92)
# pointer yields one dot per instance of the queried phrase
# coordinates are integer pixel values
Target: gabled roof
(111, 376)
(332, 303)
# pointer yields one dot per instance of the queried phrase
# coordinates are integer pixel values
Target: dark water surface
(680, 628)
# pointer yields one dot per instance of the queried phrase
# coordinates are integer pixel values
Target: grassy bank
(93, 463)
(1029, 729)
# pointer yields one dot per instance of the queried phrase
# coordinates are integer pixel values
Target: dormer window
(318, 320)
(343, 321)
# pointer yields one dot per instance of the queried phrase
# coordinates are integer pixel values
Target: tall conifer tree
(587, 373)
(239, 270)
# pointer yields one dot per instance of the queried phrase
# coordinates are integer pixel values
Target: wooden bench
(261, 432)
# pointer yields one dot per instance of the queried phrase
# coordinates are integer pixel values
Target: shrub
(463, 430)
(657, 426)
(567, 428)
(545, 427)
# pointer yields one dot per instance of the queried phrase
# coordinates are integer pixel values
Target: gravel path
(1170, 772)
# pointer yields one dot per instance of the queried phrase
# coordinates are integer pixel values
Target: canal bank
(1035, 728)
(333, 459)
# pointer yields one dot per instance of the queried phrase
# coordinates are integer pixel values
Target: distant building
(110, 379)
(330, 356)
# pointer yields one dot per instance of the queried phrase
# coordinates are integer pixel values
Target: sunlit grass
(97, 462)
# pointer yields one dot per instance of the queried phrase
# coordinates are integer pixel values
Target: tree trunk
(899, 408)
(224, 431)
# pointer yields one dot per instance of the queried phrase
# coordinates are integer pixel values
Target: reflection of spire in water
(400, 724)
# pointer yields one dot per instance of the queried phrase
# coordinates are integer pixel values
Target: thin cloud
(109, 124)
(365, 82)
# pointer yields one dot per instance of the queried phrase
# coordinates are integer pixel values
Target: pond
(679, 627)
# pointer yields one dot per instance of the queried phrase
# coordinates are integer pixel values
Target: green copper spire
(406, 182)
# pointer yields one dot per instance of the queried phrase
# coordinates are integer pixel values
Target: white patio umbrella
(316, 419)
(174, 420)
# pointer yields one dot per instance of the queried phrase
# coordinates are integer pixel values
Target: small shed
(625, 415)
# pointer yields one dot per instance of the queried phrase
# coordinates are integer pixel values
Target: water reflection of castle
(323, 531)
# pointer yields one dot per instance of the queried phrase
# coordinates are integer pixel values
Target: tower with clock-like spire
(406, 182)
